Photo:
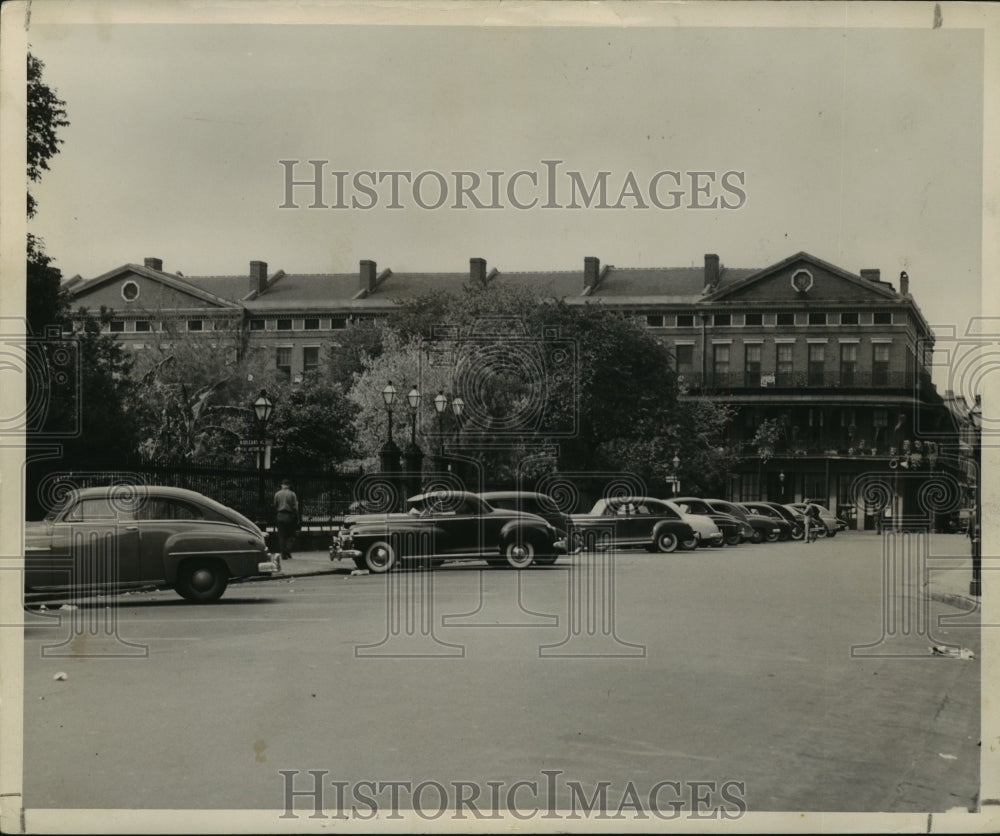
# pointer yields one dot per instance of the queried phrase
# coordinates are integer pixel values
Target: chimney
(872, 274)
(366, 279)
(711, 269)
(154, 263)
(477, 271)
(258, 276)
(904, 284)
(591, 273)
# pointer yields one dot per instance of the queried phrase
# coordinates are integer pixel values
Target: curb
(955, 599)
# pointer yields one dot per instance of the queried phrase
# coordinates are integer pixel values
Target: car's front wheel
(379, 557)
(734, 538)
(202, 581)
(519, 554)
(773, 536)
(758, 536)
(797, 532)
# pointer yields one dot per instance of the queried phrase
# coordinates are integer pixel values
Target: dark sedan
(446, 525)
(634, 521)
(143, 535)
(539, 504)
(764, 528)
(796, 520)
(789, 528)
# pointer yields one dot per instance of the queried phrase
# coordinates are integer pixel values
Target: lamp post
(389, 454)
(414, 456)
(457, 407)
(440, 405)
(781, 482)
(262, 409)
(976, 522)
(675, 484)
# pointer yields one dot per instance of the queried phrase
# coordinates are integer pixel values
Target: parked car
(635, 521)
(734, 530)
(829, 528)
(786, 522)
(447, 525)
(540, 504)
(709, 532)
(764, 528)
(127, 536)
(794, 518)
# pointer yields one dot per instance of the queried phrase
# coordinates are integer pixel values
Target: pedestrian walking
(286, 507)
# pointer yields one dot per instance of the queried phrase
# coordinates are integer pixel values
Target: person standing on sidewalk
(286, 507)
(812, 520)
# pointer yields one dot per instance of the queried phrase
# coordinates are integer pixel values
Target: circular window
(130, 291)
(802, 280)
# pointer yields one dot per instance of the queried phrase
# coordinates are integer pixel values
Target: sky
(860, 145)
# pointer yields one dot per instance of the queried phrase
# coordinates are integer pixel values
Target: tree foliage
(46, 113)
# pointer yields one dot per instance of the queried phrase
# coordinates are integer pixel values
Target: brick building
(828, 370)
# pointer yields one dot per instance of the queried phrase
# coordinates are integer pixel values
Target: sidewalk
(949, 585)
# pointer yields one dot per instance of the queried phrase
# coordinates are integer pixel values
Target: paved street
(730, 666)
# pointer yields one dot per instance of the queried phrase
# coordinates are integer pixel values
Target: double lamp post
(413, 456)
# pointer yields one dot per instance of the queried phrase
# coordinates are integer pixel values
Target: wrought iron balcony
(783, 383)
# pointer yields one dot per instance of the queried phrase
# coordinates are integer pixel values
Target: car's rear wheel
(202, 581)
(519, 554)
(734, 538)
(797, 532)
(773, 536)
(666, 541)
(758, 536)
(379, 557)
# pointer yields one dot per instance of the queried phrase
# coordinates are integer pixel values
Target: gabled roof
(177, 283)
(726, 289)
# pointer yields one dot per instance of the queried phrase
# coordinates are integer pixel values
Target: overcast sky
(861, 146)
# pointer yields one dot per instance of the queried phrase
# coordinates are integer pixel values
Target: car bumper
(712, 539)
(271, 566)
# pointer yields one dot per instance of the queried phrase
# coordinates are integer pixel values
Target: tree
(588, 382)
(313, 426)
(45, 115)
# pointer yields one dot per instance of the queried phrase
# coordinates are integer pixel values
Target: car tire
(734, 539)
(797, 532)
(380, 557)
(718, 544)
(758, 537)
(518, 554)
(202, 581)
(772, 537)
(666, 541)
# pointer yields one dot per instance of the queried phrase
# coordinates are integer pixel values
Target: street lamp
(414, 456)
(676, 482)
(389, 452)
(262, 409)
(440, 405)
(781, 481)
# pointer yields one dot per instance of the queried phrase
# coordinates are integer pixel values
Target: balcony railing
(764, 381)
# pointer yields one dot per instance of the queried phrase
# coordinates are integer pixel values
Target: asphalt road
(730, 667)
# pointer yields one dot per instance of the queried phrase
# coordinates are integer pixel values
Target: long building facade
(828, 371)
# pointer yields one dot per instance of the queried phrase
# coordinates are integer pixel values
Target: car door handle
(131, 528)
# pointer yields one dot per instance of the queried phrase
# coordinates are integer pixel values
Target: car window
(168, 509)
(642, 510)
(504, 504)
(546, 503)
(91, 510)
